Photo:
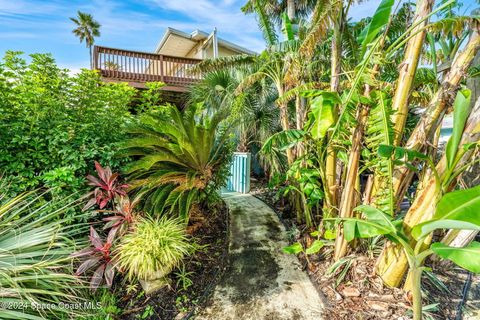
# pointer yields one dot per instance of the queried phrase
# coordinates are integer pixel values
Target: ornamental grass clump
(152, 250)
(35, 267)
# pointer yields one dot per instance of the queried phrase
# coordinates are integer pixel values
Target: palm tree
(275, 8)
(86, 29)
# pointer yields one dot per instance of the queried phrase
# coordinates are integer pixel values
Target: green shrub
(55, 125)
(181, 157)
(153, 248)
(35, 266)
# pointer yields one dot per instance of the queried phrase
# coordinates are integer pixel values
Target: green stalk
(400, 41)
(417, 292)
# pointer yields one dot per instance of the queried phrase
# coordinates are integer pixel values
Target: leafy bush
(107, 187)
(180, 158)
(34, 260)
(54, 125)
(153, 248)
(99, 258)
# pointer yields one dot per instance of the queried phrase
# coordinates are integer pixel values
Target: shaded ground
(261, 281)
(354, 292)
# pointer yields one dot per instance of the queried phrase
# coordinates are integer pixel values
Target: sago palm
(180, 155)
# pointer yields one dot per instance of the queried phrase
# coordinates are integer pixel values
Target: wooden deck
(137, 68)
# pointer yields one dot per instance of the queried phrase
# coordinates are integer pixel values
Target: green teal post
(239, 179)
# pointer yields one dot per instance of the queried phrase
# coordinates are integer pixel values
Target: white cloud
(232, 24)
(25, 7)
(45, 25)
(18, 35)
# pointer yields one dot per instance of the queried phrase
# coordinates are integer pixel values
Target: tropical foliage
(34, 261)
(344, 118)
(153, 249)
(359, 117)
(181, 157)
(55, 125)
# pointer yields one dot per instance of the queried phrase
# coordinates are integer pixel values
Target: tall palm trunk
(284, 120)
(91, 58)
(392, 263)
(403, 87)
(301, 116)
(285, 123)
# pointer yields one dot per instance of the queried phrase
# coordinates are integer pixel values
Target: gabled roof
(178, 43)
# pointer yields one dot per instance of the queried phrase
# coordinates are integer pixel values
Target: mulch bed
(209, 228)
(361, 294)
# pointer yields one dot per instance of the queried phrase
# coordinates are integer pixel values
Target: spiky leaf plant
(180, 157)
(153, 248)
(34, 260)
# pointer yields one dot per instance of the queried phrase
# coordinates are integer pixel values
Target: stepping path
(261, 281)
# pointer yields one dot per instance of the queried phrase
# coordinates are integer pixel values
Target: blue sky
(43, 25)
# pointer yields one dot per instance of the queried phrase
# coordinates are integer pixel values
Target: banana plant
(297, 247)
(455, 210)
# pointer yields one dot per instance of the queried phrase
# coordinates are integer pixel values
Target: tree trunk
(433, 115)
(408, 69)
(392, 263)
(91, 60)
(348, 203)
(403, 87)
(301, 115)
(291, 9)
(331, 203)
(459, 238)
(285, 122)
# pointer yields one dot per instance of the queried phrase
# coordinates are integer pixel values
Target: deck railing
(133, 66)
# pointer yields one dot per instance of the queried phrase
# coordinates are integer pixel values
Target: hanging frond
(379, 131)
(275, 8)
(453, 25)
(249, 81)
(292, 93)
(234, 61)
(286, 46)
(321, 20)
(265, 24)
(282, 140)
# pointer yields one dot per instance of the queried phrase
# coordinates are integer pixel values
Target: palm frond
(321, 20)
(380, 132)
(453, 25)
(219, 63)
(264, 23)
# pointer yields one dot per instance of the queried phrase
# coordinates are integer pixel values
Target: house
(171, 62)
(197, 45)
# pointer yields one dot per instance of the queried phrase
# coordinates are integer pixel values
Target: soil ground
(354, 292)
(204, 268)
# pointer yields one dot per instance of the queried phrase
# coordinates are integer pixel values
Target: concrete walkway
(262, 282)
